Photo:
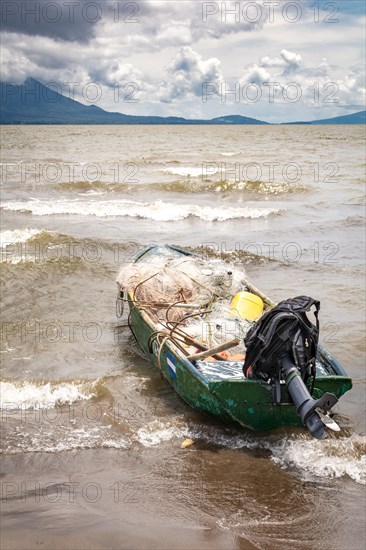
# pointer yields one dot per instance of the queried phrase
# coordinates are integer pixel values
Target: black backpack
(284, 330)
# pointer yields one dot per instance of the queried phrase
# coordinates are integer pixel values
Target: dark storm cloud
(72, 20)
(170, 23)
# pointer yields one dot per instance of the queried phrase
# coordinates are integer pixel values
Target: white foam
(64, 438)
(158, 210)
(18, 236)
(92, 192)
(42, 396)
(193, 171)
(157, 432)
(328, 458)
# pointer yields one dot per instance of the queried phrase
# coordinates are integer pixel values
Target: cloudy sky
(275, 60)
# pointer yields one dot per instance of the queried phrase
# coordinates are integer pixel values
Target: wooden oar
(213, 351)
(193, 342)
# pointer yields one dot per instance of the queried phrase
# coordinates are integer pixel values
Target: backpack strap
(261, 340)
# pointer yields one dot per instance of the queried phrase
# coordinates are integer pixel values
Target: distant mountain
(34, 103)
(234, 119)
(354, 118)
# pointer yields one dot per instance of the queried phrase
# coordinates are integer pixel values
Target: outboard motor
(283, 345)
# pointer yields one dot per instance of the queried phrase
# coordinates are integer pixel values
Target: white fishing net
(188, 292)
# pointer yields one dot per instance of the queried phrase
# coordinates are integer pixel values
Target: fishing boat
(191, 317)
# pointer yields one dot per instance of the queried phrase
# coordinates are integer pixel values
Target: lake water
(91, 435)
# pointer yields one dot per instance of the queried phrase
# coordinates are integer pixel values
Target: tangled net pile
(187, 293)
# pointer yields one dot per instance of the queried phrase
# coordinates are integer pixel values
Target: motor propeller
(311, 411)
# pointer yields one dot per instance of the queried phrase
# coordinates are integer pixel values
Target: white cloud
(318, 85)
(116, 72)
(267, 61)
(292, 61)
(353, 86)
(187, 73)
(288, 61)
(172, 49)
(255, 74)
(15, 67)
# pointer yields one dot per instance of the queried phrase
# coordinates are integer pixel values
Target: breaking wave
(193, 171)
(226, 186)
(330, 458)
(197, 180)
(43, 396)
(187, 171)
(56, 439)
(157, 211)
(12, 241)
(18, 236)
(156, 433)
(190, 184)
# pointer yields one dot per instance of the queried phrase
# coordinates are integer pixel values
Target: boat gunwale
(331, 364)
(196, 373)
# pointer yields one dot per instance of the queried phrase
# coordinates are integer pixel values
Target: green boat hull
(243, 402)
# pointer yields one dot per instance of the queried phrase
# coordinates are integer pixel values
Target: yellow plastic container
(247, 306)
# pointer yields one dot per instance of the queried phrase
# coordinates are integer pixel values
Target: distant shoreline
(30, 104)
(176, 124)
